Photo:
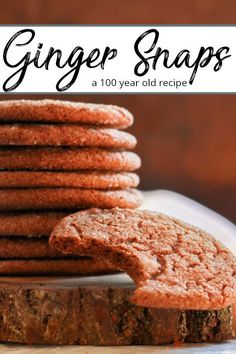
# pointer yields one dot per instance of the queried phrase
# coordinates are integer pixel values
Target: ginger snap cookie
(67, 198)
(70, 159)
(64, 135)
(62, 266)
(80, 179)
(23, 248)
(65, 112)
(174, 265)
(30, 224)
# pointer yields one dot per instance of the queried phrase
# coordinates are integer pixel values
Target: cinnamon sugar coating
(67, 198)
(64, 135)
(78, 179)
(67, 159)
(59, 111)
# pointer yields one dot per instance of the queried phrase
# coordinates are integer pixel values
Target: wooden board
(96, 311)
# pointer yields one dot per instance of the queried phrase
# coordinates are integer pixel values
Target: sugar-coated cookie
(67, 198)
(64, 135)
(65, 112)
(80, 179)
(25, 248)
(63, 266)
(174, 265)
(68, 159)
(30, 224)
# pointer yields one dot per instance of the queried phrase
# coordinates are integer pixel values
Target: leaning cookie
(174, 265)
(64, 135)
(65, 112)
(63, 266)
(67, 198)
(80, 179)
(67, 159)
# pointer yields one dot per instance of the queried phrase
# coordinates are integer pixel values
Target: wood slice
(96, 310)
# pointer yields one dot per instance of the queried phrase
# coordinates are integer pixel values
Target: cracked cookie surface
(174, 265)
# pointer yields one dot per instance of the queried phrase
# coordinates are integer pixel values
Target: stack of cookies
(56, 158)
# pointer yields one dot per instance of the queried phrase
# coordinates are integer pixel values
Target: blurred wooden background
(187, 142)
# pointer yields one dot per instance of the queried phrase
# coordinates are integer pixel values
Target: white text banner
(117, 59)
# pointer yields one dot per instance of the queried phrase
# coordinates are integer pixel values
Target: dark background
(187, 142)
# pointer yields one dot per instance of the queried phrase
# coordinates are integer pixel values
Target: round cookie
(95, 180)
(64, 112)
(62, 266)
(22, 247)
(173, 264)
(64, 135)
(68, 159)
(67, 198)
(30, 224)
